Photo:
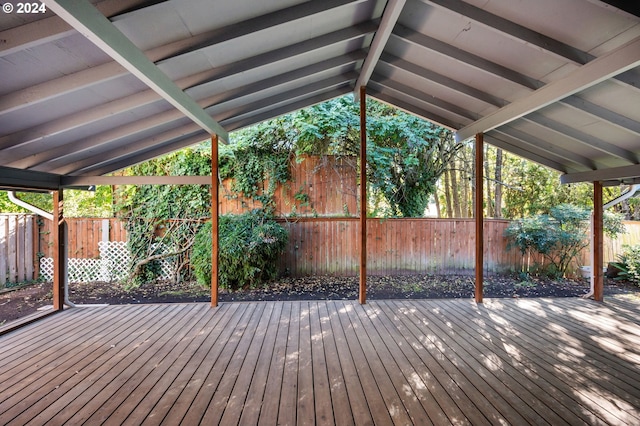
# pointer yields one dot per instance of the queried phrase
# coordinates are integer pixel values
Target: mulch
(27, 300)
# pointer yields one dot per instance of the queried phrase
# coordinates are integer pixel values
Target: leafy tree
(78, 203)
(406, 157)
(559, 236)
(38, 199)
(405, 154)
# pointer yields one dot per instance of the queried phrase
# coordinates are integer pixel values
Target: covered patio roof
(89, 88)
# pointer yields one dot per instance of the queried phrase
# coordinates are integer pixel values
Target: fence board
(317, 246)
(13, 249)
(17, 253)
(4, 245)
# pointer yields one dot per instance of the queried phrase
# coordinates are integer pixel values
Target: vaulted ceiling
(88, 88)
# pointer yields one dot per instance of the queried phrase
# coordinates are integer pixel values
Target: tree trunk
(465, 182)
(447, 193)
(455, 191)
(498, 191)
(473, 178)
(487, 172)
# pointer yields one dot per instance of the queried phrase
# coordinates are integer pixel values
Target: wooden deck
(527, 361)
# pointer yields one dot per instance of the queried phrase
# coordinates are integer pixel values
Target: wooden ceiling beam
(74, 181)
(390, 97)
(249, 118)
(54, 28)
(46, 151)
(606, 66)
(99, 30)
(464, 58)
(625, 173)
(515, 31)
(387, 23)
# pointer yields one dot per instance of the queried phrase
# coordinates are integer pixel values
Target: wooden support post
(363, 196)
(59, 252)
(214, 220)
(479, 215)
(597, 237)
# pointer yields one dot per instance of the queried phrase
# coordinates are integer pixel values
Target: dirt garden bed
(27, 300)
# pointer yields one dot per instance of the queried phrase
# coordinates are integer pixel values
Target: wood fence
(18, 240)
(319, 186)
(329, 246)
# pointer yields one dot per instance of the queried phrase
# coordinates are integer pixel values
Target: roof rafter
(101, 73)
(520, 137)
(93, 25)
(515, 31)
(250, 26)
(529, 153)
(304, 47)
(112, 153)
(226, 115)
(53, 28)
(526, 36)
(76, 151)
(47, 151)
(425, 98)
(441, 80)
(155, 151)
(602, 113)
(615, 62)
(387, 22)
(389, 96)
(582, 137)
(623, 173)
(245, 120)
(111, 70)
(464, 58)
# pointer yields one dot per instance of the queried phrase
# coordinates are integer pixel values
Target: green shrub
(628, 264)
(249, 246)
(559, 236)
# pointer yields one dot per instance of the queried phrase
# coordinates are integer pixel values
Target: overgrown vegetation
(406, 155)
(162, 220)
(249, 245)
(257, 162)
(628, 264)
(559, 236)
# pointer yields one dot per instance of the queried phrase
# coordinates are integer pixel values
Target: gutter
(17, 201)
(630, 193)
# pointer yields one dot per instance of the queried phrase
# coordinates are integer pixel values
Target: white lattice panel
(113, 264)
(115, 260)
(46, 268)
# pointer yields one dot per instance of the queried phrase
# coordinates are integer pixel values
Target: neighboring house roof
(556, 82)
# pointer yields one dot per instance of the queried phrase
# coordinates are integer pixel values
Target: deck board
(535, 361)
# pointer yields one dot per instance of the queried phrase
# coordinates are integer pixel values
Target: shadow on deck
(557, 361)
